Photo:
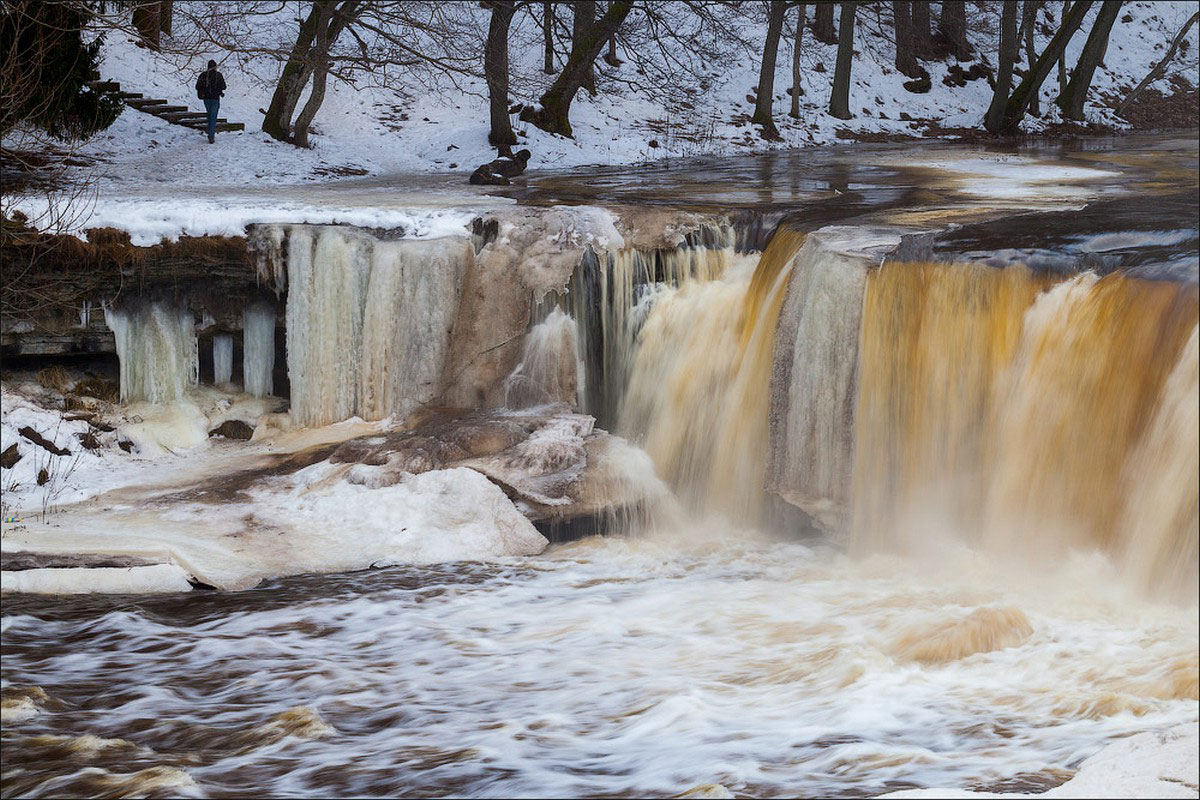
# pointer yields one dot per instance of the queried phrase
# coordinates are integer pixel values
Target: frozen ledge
(157, 578)
(1163, 764)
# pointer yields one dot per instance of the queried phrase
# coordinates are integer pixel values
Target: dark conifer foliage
(45, 71)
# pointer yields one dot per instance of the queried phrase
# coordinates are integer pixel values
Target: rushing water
(1008, 454)
(607, 667)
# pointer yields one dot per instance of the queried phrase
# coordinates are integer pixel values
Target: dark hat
(212, 64)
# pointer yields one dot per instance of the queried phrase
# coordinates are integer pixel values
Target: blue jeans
(212, 106)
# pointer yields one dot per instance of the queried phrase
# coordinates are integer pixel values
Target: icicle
(222, 353)
(258, 349)
(156, 345)
(368, 321)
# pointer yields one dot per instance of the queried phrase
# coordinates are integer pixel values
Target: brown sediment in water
(981, 631)
(996, 405)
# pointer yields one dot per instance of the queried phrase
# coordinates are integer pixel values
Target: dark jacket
(210, 85)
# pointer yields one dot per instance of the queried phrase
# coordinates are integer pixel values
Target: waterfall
(1029, 418)
(222, 353)
(699, 382)
(368, 321)
(935, 339)
(1158, 526)
(609, 297)
(550, 370)
(156, 346)
(258, 349)
(815, 383)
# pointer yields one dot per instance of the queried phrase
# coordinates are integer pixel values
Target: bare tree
(794, 111)
(906, 57)
(1073, 99)
(1007, 58)
(553, 113)
(147, 18)
(1014, 109)
(495, 68)
(548, 37)
(1159, 69)
(952, 29)
(1029, 12)
(839, 99)
(822, 26)
(922, 38)
(583, 18)
(766, 73)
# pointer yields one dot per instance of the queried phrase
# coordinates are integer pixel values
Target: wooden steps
(174, 114)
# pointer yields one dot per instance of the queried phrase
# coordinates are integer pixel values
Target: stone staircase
(176, 115)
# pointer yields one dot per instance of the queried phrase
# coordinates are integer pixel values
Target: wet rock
(42, 442)
(233, 429)
(125, 445)
(10, 456)
(43, 477)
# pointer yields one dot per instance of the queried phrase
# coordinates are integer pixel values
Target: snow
(156, 578)
(405, 130)
(1151, 765)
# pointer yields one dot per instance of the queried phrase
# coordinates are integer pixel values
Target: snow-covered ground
(423, 125)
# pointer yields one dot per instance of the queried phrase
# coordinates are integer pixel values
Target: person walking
(210, 86)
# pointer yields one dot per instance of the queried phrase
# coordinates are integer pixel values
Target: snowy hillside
(425, 124)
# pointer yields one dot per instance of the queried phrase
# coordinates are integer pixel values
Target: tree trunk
(584, 17)
(147, 19)
(1031, 84)
(1073, 100)
(766, 73)
(320, 70)
(548, 37)
(839, 100)
(1062, 57)
(906, 59)
(166, 11)
(318, 33)
(610, 57)
(1028, 27)
(1159, 68)
(554, 114)
(823, 23)
(952, 29)
(794, 112)
(1009, 47)
(922, 38)
(295, 74)
(495, 68)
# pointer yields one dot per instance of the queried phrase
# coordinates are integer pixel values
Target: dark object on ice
(42, 442)
(125, 445)
(10, 456)
(498, 172)
(233, 429)
(43, 477)
(89, 440)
